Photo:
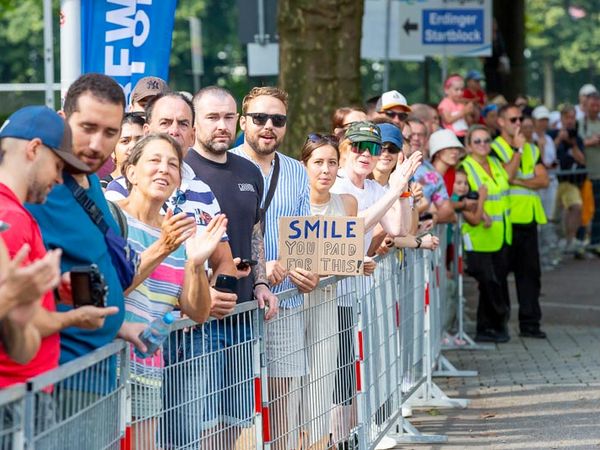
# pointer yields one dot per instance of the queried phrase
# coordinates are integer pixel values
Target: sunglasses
(260, 119)
(515, 119)
(179, 199)
(400, 115)
(318, 138)
(373, 148)
(391, 148)
(481, 141)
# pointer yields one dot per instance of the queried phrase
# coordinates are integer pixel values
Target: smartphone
(426, 216)
(88, 286)
(245, 263)
(472, 195)
(226, 283)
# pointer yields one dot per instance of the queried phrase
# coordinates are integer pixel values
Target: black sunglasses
(516, 119)
(400, 115)
(482, 141)
(278, 120)
(391, 148)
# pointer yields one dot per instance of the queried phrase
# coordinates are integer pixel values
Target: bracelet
(261, 283)
(405, 194)
(418, 240)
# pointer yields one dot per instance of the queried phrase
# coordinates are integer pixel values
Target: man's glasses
(318, 138)
(515, 119)
(391, 148)
(402, 116)
(481, 141)
(179, 199)
(260, 119)
(373, 148)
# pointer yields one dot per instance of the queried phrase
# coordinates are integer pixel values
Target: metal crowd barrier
(335, 371)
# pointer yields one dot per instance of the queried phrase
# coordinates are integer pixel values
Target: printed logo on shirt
(246, 187)
(202, 217)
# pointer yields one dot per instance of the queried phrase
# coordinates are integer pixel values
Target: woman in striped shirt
(153, 172)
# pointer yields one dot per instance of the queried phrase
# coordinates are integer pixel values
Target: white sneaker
(386, 443)
(406, 411)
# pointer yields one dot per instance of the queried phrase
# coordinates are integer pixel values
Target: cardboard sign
(325, 245)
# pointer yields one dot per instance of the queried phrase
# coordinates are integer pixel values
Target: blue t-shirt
(64, 224)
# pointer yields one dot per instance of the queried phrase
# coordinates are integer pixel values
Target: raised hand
(404, 171)
(175, 229)
(200, 247)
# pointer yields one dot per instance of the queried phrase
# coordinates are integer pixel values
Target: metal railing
(337, 370)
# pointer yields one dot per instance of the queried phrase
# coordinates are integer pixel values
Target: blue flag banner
(127, 39)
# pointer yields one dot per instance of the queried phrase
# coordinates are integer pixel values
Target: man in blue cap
(473, 87)
(35, 147)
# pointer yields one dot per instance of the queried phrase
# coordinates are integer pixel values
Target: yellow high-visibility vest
(497, 206)
(525, 204)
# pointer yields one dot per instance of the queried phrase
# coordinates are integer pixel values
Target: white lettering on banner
(451, 36)
(452, 19)
(129, 21)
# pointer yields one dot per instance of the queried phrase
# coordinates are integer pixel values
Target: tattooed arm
(258, 254)
(262, 292)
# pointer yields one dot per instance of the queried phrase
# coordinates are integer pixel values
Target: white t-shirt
(365, 197)
(549, 150)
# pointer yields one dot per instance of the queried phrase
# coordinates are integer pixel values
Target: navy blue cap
(391, 133)
(41, 122)
(474, 75)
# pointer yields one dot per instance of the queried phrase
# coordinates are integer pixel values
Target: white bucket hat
(442, 139)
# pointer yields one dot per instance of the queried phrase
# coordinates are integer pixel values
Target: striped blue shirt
(291, 198)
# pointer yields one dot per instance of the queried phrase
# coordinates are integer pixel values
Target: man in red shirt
(35, 147)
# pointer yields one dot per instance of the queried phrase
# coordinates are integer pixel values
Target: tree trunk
(510, 15)
(319, 63)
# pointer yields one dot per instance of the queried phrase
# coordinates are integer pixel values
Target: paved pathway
(532, 393)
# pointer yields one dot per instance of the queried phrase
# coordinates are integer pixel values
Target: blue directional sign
(420, 28)
(452, 27)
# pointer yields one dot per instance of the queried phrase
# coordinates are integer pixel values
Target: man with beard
(238, 186)
(286, 193)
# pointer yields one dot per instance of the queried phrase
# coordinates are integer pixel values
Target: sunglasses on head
(391, 148)
(278, 120)
(318, 138)
(373, 148)
(481, 141)
(515, 119)
(400, 115)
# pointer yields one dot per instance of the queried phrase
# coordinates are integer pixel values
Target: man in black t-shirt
(238, 186)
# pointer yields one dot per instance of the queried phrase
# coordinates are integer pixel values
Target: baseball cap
(540, 112)
(474, 75)
(441, 139)
(390, 99)
(587, 89)
(41, 122)
(148, 86)
(391, 133)
(363, 131)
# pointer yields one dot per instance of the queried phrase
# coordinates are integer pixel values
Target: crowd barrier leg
(14, 421)
(410, 318)
(429, 394)
(461, 340)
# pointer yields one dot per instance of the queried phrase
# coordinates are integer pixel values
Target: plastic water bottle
(155, 335)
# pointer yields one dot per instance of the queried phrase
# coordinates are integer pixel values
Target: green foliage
(571, 43)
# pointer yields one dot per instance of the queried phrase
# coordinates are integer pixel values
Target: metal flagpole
(70, 44)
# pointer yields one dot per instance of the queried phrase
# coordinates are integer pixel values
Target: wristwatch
(419, 241)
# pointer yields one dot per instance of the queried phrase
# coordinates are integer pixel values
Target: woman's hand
(275, 272)
(369, 266)
(200, 247)
(429, 242)
(416, 190)
(175, 229)
(399, 177)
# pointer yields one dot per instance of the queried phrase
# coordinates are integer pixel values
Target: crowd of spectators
(160, 202)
